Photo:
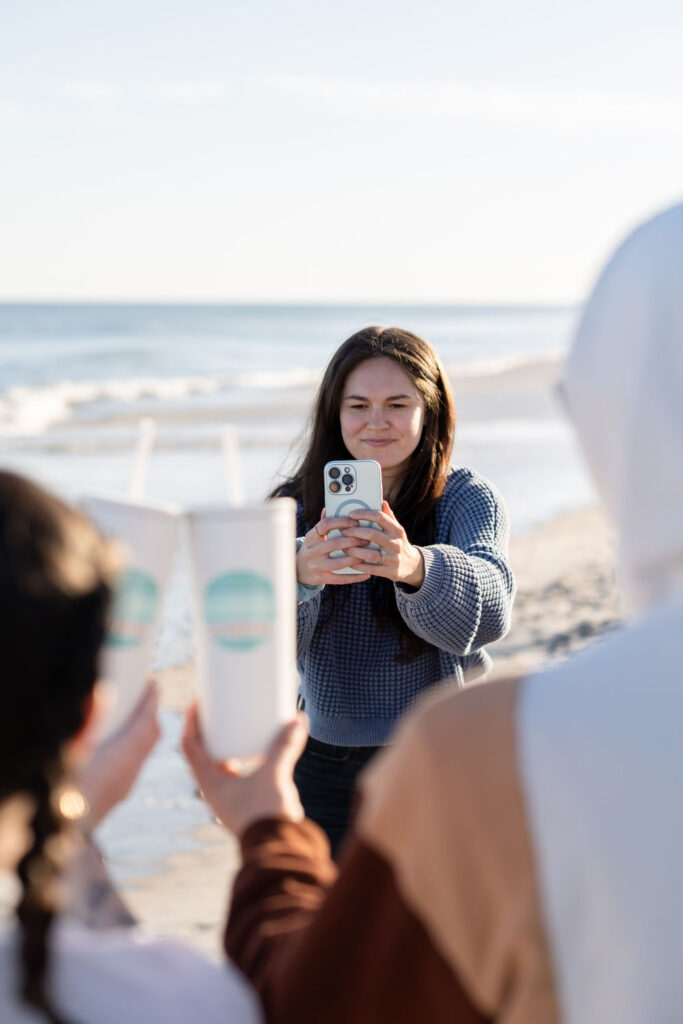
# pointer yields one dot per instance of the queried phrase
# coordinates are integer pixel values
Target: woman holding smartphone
(433, 590)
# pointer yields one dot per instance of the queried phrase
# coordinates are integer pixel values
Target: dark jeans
(325, 776)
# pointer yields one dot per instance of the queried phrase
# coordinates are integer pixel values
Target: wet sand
(567, 598)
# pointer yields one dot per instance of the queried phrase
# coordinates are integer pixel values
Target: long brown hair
(55, 573)
(425, 477)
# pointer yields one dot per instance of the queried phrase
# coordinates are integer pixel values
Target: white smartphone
(349, 485)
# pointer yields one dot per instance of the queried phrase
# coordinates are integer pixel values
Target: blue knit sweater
(354, 688)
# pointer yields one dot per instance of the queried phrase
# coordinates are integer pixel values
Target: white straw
(147, 429)
(231, 457)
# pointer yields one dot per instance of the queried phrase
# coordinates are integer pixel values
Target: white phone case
(364, 492)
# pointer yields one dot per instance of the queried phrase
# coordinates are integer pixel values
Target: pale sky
(299, 150)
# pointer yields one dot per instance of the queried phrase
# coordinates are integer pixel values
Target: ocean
(76, 379)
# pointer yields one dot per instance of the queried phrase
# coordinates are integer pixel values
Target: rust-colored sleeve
(339, 952)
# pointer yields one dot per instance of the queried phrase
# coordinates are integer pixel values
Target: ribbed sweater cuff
(432, 583)
(305, 591)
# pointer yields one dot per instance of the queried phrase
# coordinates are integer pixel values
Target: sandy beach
(567, 592)
(567, 597)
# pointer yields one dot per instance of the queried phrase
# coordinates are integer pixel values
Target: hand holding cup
(237, 799)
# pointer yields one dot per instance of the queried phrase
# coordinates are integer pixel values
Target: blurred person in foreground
(516, 855)
(55, 578)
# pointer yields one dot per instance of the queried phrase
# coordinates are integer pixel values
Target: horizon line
(298, 303)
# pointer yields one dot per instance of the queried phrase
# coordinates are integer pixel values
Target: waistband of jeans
(335, 748)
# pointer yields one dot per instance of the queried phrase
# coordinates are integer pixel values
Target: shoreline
(567, 597)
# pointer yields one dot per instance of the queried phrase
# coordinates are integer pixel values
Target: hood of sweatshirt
(624, 386)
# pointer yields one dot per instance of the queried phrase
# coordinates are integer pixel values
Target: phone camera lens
(347, 478)
(335, 486)
(334, 472)
(348, 488)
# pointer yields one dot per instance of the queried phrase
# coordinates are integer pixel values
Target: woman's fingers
(368, 533)
(317, 552)
(376, 564)
(369, 555)
(144, 723)
(333, 544)
(343, 562)
(321, 529)
(314, 559)
(324, 558)
(320, 557)
(202, 765)
(287, 747)
(379, 569)
(385, 522)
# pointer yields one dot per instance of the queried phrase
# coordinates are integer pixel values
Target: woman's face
(381, 415)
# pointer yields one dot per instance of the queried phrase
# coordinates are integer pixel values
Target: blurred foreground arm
(107, 777)
(317, 947)
(105, 780)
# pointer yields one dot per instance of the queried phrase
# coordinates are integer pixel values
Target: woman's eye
(397, 405)
(358, 407)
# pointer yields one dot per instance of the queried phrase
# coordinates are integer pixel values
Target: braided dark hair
(54, 595)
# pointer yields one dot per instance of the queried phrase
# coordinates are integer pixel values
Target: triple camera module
(341, 479)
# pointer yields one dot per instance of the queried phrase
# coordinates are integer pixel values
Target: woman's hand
(108, 776)
(238, 800)
(313, 562)
(397, 559)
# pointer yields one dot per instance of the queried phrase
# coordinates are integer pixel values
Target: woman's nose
(377, 416)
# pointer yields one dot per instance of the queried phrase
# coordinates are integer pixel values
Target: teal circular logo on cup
(239, 608)
(136, 599)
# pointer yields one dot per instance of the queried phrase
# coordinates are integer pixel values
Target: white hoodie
(602, 736)
(624, 385)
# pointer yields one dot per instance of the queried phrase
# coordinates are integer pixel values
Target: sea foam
(33, 410)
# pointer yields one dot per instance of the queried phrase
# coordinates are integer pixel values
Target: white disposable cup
(244, 598)
(149, 534)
